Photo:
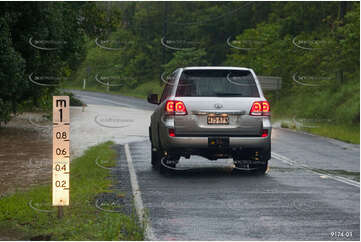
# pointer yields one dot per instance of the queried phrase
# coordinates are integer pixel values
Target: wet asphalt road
(98, 98)
(293, 201)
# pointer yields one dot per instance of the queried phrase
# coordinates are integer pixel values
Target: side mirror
(153, 98)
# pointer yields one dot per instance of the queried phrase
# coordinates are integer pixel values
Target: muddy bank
(26, 141)
(25, 152)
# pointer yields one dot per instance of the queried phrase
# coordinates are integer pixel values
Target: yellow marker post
(61, 152)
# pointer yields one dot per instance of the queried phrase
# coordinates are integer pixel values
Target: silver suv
(214, 112)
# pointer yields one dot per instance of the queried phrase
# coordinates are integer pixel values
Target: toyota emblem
(218, 105)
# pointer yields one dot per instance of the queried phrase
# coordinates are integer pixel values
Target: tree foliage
(12, 73)
(317, 47)
(27, 29)
(133, 43)
(191, 57)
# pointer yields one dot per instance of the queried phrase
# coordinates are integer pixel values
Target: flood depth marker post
(61, 152)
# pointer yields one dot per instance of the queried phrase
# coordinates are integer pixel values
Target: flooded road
(25, 152)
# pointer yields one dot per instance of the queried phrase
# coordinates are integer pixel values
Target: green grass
(346, 133)
(332, 111)
(82, 220)
(350, 134)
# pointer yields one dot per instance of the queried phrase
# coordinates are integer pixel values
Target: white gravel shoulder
(98, 124)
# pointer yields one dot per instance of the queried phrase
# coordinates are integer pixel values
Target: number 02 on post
(61, 150)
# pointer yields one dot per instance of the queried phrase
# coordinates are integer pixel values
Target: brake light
(173, 107)
(180, 107)
(265, 107)
(171, 132)
(169, 107)
(260, 108)
(264, 133)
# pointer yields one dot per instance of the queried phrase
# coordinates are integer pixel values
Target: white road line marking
(295, 163)
(149, 235)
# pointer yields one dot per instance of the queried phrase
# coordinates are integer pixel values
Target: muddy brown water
(25, 154)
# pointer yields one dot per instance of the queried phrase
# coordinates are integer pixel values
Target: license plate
(218, 119)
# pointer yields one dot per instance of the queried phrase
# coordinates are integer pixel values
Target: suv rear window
(217, 83)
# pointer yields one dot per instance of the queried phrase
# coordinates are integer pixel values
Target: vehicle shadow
(208, 172)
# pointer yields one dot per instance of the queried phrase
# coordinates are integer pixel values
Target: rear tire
(156, 154)
(162, 169)
(156, 158)
(262, 169)
(265, 156)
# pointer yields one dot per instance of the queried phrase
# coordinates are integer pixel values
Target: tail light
(260, 108)
(173, 107)
(264, 133)
(171, 132)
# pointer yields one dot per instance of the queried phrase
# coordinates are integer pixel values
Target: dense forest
(41, 45)
(313, 46)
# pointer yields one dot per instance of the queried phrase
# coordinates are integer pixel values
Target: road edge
(149, 234)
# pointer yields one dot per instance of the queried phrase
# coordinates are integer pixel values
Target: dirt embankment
(25, 152)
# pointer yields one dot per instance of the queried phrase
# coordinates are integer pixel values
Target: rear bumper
(199, 144)
(202, 142)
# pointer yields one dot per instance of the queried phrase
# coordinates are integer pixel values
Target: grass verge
(340, 132)
(349, 134)
(82, 220)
